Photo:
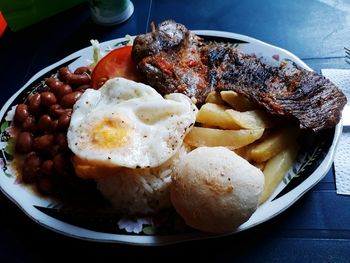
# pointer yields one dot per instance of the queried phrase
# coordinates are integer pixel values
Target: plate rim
(290, 197)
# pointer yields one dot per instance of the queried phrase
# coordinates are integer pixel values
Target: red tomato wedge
(117, 63)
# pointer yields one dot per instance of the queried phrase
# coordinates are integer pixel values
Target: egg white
(129, 124)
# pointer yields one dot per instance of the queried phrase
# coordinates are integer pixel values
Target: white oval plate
(311, 166)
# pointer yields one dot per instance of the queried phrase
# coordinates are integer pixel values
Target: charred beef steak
(167, 36)
(310, 98)
(173, 59)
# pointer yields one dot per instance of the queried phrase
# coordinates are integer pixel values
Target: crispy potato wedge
(276, 168)
(273, 144)
(215, 115)
(214, 97)
(260, 166)
(245, 151)
(254, 119)
(237, 101)
(231, 139)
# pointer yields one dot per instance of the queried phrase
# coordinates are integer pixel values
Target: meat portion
(173, 59)
(170, 73)
(168, 35)
(310, 98)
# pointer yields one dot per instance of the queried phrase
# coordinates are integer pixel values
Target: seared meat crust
(309, 97)
(173, 59)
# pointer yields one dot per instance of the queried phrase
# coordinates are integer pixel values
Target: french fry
(273, 144)
(231, 139)
(276, 168)
(260, 166)
(254, 119)
(214, 97)
(245, 151)
(237, 101)
(215, 115)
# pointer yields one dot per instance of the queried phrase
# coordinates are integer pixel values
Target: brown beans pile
(43, 121)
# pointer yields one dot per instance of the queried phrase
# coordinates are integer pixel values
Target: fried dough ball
(215, 190)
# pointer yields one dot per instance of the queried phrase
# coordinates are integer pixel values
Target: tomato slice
(117, 63)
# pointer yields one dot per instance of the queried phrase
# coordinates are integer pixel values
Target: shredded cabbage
(130, 39)
(97, 55)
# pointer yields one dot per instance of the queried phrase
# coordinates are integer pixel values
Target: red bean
(60, 164)
(34, 102)
(69, 99)
(45, 123)
(49, 112)
(29, 124)
(61, 140)
(82, 88)
(31, 167)
(63, 90)
(21, 113)
(54, 125)
(64, 121)
(71, 78)
(43, 89)
(82, 70)
(45, 185)
(53, 84)
(79, 80)
(64, 73)
(56, 111)
(44, 142)
(54, 150)
(24, 142)
(48, 98)
(47, 167)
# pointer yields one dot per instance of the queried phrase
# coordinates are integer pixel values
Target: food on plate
(273, 143)
(232, 139)
(304, 95)
(215, 115)
(139, 191)
(275, 169)
(146, 147)
(216, 193)
(117, 63)
(214, 97)
(126, 136)
(237, 101)
(253, 119)
(258, 138)
(41, 122)
(173, 59)
(129, 124)
(168, 35)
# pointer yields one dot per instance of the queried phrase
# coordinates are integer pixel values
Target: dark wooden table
(315, 229)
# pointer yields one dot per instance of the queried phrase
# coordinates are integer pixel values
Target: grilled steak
(173, 59)
(310, 98)
(168, 35)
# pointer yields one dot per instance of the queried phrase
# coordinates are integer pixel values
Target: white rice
(139, 191)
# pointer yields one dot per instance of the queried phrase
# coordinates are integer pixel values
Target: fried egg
(129, 124)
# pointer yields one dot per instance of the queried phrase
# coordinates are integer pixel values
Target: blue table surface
(315, 229)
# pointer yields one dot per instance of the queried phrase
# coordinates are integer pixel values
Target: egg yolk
(110, 133)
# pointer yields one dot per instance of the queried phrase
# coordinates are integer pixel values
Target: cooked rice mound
(139, 191)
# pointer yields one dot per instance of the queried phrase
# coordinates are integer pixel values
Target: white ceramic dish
(311, 166)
